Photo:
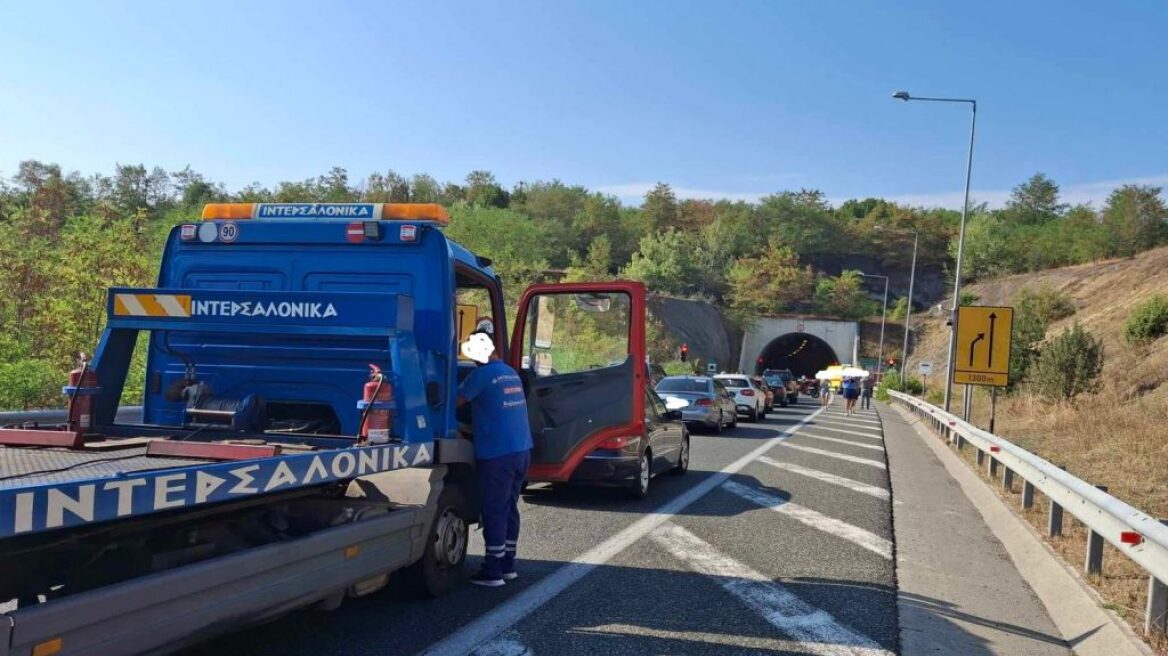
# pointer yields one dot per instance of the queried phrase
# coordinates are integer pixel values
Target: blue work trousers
(500, 482)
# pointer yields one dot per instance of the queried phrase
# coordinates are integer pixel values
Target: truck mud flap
(163, 612)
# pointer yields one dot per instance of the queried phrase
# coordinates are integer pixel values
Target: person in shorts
(851, 391)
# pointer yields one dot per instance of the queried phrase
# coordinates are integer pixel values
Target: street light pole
(904, 95)
(912, 276)
(883, 315)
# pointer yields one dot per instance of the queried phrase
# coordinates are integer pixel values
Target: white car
(748, 398)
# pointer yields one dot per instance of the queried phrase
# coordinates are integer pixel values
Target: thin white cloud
(633, 193)
(1095, 193)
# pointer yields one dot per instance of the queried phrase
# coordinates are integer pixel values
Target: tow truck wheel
(441, 565)
(640, 485)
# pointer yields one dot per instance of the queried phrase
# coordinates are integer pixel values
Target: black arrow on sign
(973, 345)
(990, 357)
(460, 313)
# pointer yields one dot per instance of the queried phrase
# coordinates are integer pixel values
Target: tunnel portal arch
(802, 353)
(764, 338)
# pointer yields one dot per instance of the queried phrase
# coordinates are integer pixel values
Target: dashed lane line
(837, 456)
(506, 615)
(812, 518)
(816, 630)
(875, 434)
(874, 447)
(855, 486)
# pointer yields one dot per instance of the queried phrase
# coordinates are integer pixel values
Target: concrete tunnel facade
(802, 345)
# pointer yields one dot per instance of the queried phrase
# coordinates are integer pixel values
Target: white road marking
(505, 644)
(875, 434)
(813, 518)
(516, 608)
(838, 456)
(874, 447)
(816, 630)
(839, 416)
(855, 486)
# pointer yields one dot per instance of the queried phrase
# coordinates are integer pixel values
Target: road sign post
(983, 345)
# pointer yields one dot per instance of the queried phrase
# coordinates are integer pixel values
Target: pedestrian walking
(824, 392)
(866, 393)
(851, 392)
(502, 442)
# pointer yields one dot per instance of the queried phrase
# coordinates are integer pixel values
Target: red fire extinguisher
(82, 386)
(377, 415)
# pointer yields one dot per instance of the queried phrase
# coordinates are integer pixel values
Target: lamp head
(902, 95)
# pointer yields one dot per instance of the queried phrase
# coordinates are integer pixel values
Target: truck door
(580, 349)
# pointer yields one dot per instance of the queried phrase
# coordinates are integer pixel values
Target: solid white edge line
(855, 486)
(872, 447)
(815, 629)
(813, 518)
(521, 605)
(837, 456)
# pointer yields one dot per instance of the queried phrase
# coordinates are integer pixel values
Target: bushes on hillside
(1035, 309)
(1068, 365)
(1045, 302)
(891, 382)
(1148, 321)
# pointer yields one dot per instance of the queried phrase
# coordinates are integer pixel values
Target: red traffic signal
(684, 352)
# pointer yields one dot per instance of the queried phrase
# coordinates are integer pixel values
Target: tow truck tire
(440, 568)
(639, 488)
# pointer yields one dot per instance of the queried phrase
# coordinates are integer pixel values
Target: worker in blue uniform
(502, 440)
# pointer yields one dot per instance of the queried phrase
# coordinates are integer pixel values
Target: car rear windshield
(775, 381)
(684, 385)
(735, 382)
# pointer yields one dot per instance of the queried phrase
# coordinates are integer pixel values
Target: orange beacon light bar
(430, 212)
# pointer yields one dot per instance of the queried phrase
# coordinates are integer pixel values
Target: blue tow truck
(299, 440)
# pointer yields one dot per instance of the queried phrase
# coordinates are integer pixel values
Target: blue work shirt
(499, 410)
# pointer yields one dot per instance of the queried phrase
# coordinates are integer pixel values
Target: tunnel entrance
(802, 353)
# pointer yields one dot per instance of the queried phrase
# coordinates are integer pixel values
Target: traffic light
(684, 352)
(891, 363)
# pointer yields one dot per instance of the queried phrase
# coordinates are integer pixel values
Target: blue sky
(731, 99)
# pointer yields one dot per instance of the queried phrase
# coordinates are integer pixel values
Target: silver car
(703, 401)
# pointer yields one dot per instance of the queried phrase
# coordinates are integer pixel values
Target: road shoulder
(959, 592)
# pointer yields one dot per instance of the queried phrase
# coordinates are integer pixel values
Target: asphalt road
(778, 541)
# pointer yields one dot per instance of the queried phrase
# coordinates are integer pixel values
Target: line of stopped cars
(716, 402)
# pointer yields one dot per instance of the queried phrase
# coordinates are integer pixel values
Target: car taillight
(706, 402)
(747, 392)
(618, 442)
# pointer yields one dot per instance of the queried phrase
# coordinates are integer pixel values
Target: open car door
(580, 349)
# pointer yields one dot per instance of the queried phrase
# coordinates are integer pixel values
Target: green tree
(1035, 201)
(802, 219)
(482, 189)
(843, 297)
(659, 210)
(665, 263)
(1135, 216)
(771, 282)
(899, 309)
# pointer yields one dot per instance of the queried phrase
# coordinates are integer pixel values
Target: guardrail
(1137, 535)
(129, 414)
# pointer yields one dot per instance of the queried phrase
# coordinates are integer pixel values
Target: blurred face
(478, 347)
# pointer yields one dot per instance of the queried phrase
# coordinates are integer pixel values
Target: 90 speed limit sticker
(228, 232)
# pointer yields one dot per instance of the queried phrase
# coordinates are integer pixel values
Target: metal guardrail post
(1156, 616)
(960, 442)
(1027, 495)
(992, 468)
(980, 457)
(1007, 479)
(1054, 527)
(1094, 561)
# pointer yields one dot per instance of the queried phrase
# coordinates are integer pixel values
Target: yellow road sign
(983, 345)
(466, 317)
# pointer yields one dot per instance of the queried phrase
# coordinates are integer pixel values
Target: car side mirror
(673, 415)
